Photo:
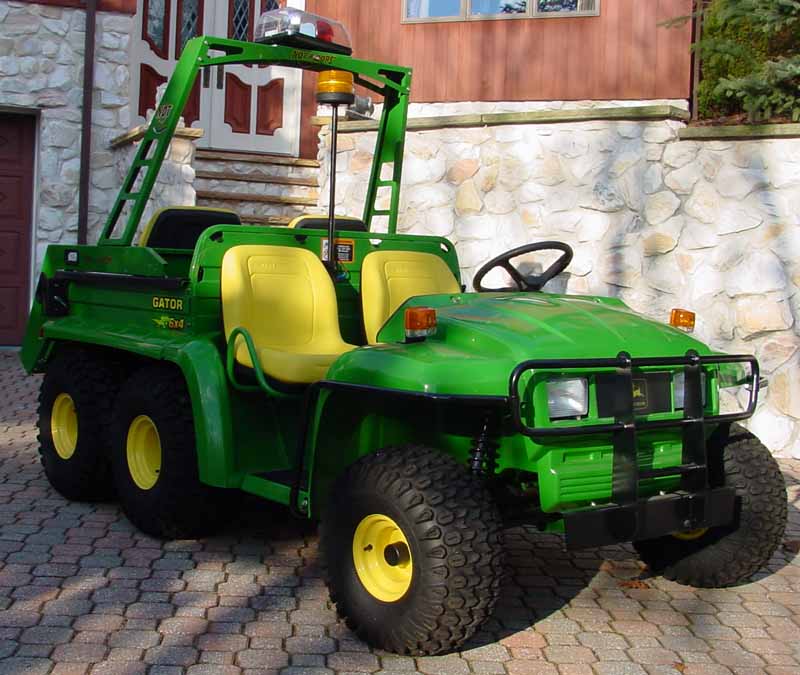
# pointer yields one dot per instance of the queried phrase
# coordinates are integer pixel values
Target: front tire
(155, 460)
(729, 555)
(413, 547)
(75, 404)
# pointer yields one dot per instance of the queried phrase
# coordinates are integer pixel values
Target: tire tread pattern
(732, 555)
(180, 505)
(93, 380)
(458, 527)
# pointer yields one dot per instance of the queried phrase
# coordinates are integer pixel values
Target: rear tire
(434, 573)
(75, 405)
(725, 556)
(155, 459)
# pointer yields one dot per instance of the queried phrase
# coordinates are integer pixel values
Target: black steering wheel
(525, 283)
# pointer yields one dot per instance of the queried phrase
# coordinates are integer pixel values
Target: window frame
(532, 12)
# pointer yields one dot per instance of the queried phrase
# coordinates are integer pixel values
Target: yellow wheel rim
(382, 558)
(144, 452)
(690, 535)
(64, 426)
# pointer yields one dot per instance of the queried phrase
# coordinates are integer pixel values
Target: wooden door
(241, 108)
(17, 147)
(253, 108)
(161, 29)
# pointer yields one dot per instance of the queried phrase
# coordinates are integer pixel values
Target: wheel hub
(64, 426)
(143, 450)
(690, 535)
(382, 558)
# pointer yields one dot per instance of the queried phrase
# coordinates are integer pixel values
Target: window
(461, 10)
(155, 27)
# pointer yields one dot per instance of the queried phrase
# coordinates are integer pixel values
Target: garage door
(17, 143)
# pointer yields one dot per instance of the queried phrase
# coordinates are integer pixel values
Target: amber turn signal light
(420, 322)
(683, 319)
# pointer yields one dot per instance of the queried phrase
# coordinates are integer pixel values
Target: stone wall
(41, 71)
(658, 222)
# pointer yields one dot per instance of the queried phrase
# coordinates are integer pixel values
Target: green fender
(202, 367)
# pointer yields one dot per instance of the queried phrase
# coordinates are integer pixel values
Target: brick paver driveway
(81, 591)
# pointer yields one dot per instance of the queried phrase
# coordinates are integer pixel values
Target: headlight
(678, 386)
(568, 399)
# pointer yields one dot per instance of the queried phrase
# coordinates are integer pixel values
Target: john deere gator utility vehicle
(359, 384)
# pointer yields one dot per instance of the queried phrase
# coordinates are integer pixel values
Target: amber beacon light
(336, 86)
(683, 319)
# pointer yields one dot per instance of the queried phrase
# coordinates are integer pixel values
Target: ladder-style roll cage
(393, 83)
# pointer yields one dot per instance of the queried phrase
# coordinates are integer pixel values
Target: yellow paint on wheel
(382, 558)
(64, 426)
(690, 535)
(143, 449)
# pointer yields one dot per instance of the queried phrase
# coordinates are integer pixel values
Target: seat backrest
(181, 226)
(389, 278)
(283, 296)
(343, 223)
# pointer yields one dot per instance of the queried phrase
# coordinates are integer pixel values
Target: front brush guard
(628, 517)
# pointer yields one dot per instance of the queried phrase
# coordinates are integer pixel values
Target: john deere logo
(162, 114)
(639, 394)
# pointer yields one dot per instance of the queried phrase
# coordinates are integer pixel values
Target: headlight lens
(568, 399)
(678, 386)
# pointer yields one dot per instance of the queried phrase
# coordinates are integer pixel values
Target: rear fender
(201, 365)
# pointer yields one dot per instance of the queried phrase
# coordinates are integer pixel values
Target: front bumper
(630, 516)
(650, 518)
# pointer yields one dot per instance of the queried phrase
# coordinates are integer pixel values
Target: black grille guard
(626, 472)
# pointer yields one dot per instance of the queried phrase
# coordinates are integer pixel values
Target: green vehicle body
(163, 305)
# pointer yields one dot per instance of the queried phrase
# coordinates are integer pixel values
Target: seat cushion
(389, 278)
(285, 299)
(292, 367)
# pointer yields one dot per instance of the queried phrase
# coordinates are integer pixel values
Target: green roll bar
(391, 82)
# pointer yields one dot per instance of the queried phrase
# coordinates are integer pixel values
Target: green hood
(481, 337)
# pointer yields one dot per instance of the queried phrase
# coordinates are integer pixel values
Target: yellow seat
(389, 278)
(285, 299)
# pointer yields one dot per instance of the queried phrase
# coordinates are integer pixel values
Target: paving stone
(171, 656)
(82, 653)
(262, 658)
(134, 639)
(45, 635)
(431, 665)
(17, 666)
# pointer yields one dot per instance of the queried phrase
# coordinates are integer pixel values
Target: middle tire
(154, 459)
(413, 547)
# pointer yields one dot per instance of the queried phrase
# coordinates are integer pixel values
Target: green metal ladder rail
(390, 146)
(392, 82)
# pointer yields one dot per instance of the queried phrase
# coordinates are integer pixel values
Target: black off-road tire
(92, 380)
(178, 506)
(729, 555)
(454, 533)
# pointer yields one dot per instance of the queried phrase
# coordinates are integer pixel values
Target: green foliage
(751, 59)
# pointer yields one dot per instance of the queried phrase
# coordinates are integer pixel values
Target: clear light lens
(568, 399)
(280, 24)
(678, 386)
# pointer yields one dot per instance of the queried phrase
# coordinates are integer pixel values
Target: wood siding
(622, 54)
